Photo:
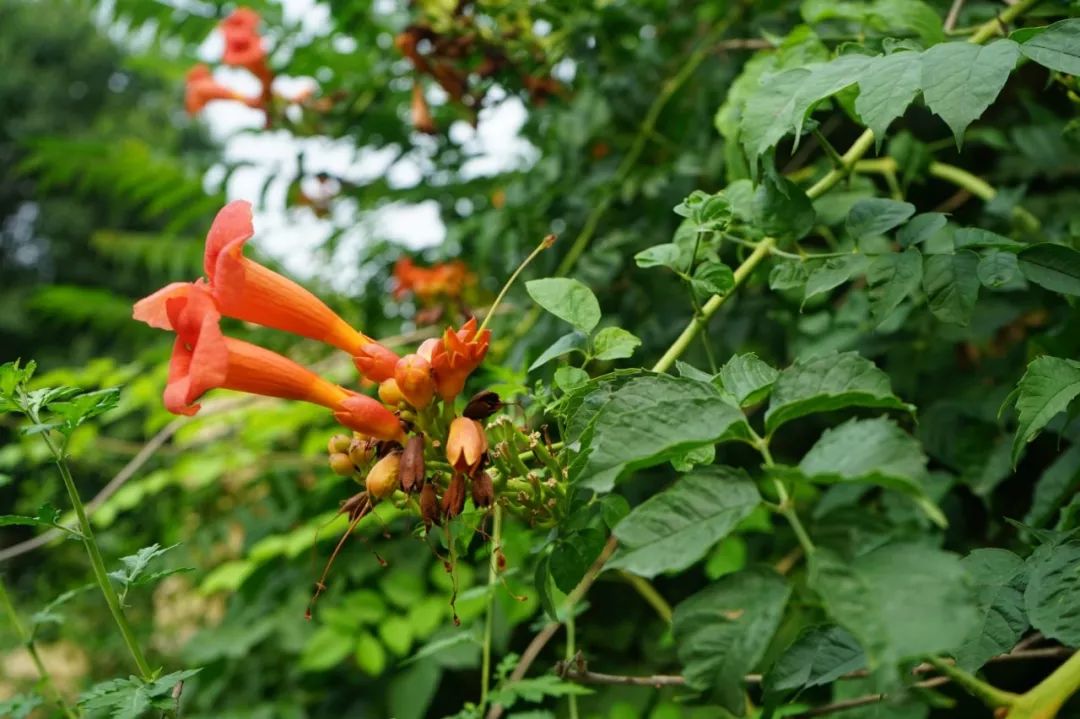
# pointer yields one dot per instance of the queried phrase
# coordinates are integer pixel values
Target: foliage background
(104, 197)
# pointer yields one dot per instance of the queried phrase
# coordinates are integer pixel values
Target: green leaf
(901, 601)
(921, 228)
(567, 299)
(766, 118)
(722, 632)
(49, 614)
(872, 451)
(1057, 47)
(84, 407)
(999, 269)
(370, 655)
(674, 529)
(15, 375)
(788, 276)
(135, 565)
(1047, 388)
(569, 378)
(614, 343)
(325, 649)
(666, 255)
(1059, 482)
(747, 379)
(876, 216)
(892, 278)
(651, 420)
(828, 382)
(973, 237)
(571, 557)
(887, 86)
(536, 690)
(961, 79)
(1054, 267)
(543, 583)
(820, 656)
(707, 212)
(951, 284)
(1000, 577)
(130, 698)
(47, 516)
(832, 273)
(1052, 589)
(20, 706)
(571, 342)
(781, 208)
(712, 278)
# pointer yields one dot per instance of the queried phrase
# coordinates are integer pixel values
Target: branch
(864, 700)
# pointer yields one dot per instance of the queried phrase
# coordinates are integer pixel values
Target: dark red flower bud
(483, 405)
(429, 505)
(453, 501)
(411, 471)
(483, 490)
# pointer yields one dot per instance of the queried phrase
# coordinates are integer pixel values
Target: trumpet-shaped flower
(466, 445)
(455, 358)
(243, 46)
(201, 88)
(446, 279)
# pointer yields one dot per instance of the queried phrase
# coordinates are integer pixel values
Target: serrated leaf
(974, 237)
(998, 269)
(820, 656)
(722, 632)
(651, 420)
(828, 382)
(961, 79)
(921, 228)
(567, 299)
(876, 216)
(892, 279)
(1052, 588)
(1058, 482)
(1000, 578)
(766, 117)
(613, 343)
(951, 283)
(571, 342)
(712, 278)
(1054, 267)
(887, 85)
(747, 378)
(543, 584)
(788, 276)
(1057, 47)
(1047, 388)
(832, 273)
(781, 208)
(675, 528)
(901, 601)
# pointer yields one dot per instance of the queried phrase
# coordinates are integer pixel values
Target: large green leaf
(961, 79)
(821, 655)
(1000, 577)
(834, 272)
(886, 88)
(1054, 267)
(1057, 47)
(567, 299)
(876, 216)
(951, 283)
(892, 278)
(901, 601)
(1052, 590)
(677, 527)
(747, 378)
(650, 420)
(722, 632)
(828, 382)
(781, 208)
(1047, 388)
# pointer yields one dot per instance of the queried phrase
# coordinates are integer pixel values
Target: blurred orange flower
(201, 88)
(243, 45)
(443, 280)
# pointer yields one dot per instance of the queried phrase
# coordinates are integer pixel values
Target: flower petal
(152, 308)
(230, 230)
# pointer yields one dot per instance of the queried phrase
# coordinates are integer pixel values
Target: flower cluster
(243, 48)
(417, 391)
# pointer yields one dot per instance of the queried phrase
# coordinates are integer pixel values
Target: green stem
(649, 594)
(571, 650)
(1044, 700)
(544, 244)
(988, 29)
(989, 695)
(97, 563)
(761, 251)
(27, 641)
(489, 619)
(787, 510)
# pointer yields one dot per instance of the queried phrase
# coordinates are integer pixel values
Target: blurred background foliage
(105, 196)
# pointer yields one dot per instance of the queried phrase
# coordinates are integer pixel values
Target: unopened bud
(390, 393)
(453, 501)
(363, 414)
(413, 376)
(341, 465)
(375, 361)
(429, 505)
(466, 447)
(338, 443)
(361, 451)
(483, 490)
(483, 405)
(412, 464)
(382, 480)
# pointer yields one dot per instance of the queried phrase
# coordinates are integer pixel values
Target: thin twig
(864, 700)
(587, 677)
(954, 14)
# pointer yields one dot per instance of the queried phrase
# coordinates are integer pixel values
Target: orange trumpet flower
(243, 45)
(204, 359)
(466, 445)
(201, 88)
(455, 358)
(446, 279)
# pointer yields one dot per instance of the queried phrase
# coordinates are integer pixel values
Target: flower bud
(429, 505)
(390, 392)
(427, 347)
(338, 443)
(413, 375)
(483, 490)
(453, 501)
(375, 361)
(483, 405)
(382, 480)
(466, 446)
(412, 464)
(364, 414)
(361, 451)
(341, 465)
